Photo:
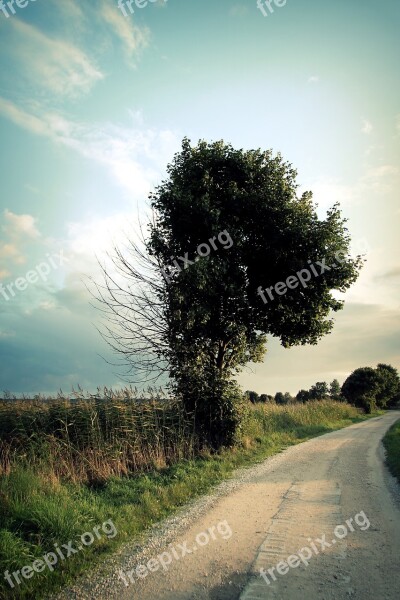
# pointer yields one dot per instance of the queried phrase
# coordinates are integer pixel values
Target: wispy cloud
(391, 274)
(134, 156)
(70, 9)
(54, 64)
(133, 38)
(379, 179)
(20, 225)
(17, 232)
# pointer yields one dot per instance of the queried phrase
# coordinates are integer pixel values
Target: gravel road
(334, 486)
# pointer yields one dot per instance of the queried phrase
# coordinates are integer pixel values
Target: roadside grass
(39, 507)
(391, 442)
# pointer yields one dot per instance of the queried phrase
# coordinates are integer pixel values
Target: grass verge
(391, 442)
(39, 509)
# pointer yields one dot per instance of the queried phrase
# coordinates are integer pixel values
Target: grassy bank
(53, 487)
(391, 442)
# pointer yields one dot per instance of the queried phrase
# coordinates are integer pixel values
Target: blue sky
(93, 105)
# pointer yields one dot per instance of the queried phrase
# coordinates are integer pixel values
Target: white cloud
(54, 64)
(380, 172)
(70, 9)
(133, 37)
(20, 225)
(135, 157)
(23, 118)
(17, 232)
(327, 191)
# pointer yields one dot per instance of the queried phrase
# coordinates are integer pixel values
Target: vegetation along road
(320, 520)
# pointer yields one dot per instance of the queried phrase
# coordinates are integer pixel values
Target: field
(67, 467)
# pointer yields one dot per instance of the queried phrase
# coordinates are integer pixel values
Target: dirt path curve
(287, 503)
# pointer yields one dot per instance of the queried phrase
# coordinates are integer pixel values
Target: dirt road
(288, 503)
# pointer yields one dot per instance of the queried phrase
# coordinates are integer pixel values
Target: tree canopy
(369, 388)
(214, 309)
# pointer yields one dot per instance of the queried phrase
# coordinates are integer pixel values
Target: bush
(216, 406)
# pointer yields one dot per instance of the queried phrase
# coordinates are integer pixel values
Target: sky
(93, 106)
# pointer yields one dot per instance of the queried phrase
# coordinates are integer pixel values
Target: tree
(334, 390)
(319, 390)
(303, 396)
(212, 316)
(252, 396)
(288, 398)
(370, 388)
(279, 398)
(394, 402)
(264, 398)
(361, 388)
(389, 385)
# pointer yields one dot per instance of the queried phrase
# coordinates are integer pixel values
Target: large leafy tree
(214, 318)
(369, 388)
(252, 195)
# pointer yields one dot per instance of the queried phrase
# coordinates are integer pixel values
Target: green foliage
(319, 391)
(266, 398)
(394, 402)
(361, 388)
(391, 442)
(253, 397)
(216, 320)
(288, 398)
(334, 390)
(280, 398)
(216, 406)
(370, 388)
(303, 396)
(389, 386)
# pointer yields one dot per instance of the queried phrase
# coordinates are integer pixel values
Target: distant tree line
(320, 391)
(366, 388)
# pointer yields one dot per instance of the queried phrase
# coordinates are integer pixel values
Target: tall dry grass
(91, 438)
(86, 438)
